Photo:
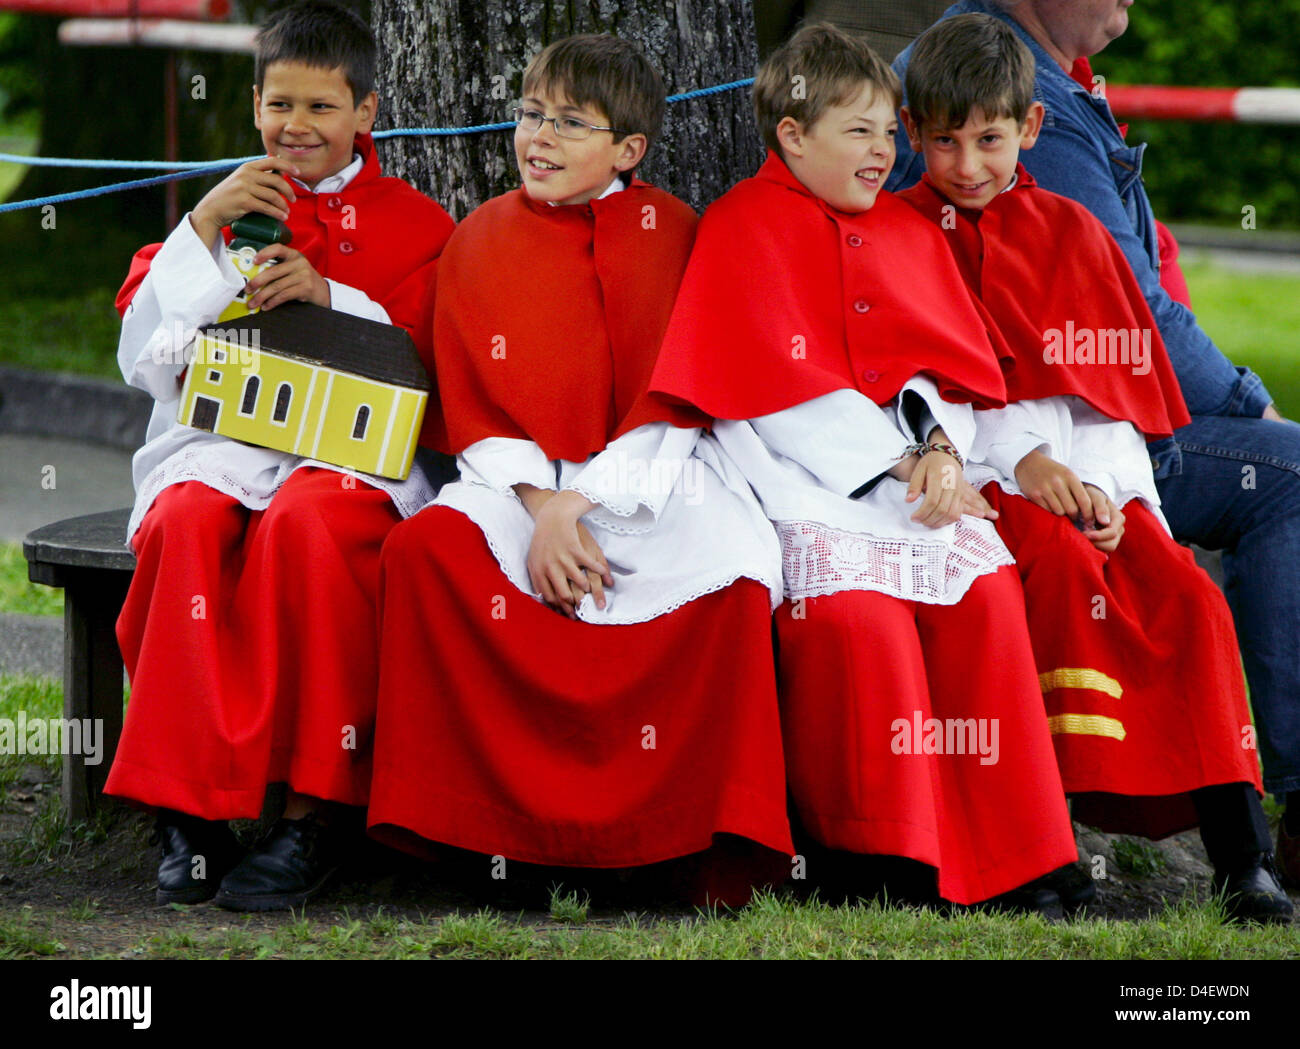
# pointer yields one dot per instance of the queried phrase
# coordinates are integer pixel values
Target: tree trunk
(453, 63)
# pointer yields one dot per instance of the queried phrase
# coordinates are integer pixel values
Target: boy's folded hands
(564, 562)
(1057, 489)
(1106, 530)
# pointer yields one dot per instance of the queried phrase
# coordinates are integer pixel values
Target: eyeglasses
(565, 127)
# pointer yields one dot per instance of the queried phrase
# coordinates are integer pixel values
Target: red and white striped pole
(1237, 105)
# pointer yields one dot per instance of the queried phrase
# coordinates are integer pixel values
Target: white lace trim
(819, 560)
(674, 602)
(587, 610)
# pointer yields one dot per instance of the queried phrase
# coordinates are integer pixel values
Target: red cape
(548, 320)
(386, 245)
(787, 299)
(1053, 279)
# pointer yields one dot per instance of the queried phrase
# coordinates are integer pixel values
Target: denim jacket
(1081, 154)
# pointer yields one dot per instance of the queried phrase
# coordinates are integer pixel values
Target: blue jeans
(1239, 491)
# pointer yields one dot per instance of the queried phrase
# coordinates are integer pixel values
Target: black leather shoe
(1073, 884)
(196, 855)
(1253, 893)
(291, 863)
(1031, 898)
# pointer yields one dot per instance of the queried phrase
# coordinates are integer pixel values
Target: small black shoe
(291, 863)
(1030, 898)
(1253, 894)
(1073, 884)
(196, 855)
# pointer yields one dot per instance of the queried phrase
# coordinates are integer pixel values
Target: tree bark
(453, 63)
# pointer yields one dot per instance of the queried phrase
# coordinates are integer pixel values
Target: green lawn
(17, 594)
(1254, 318)
(773, 927)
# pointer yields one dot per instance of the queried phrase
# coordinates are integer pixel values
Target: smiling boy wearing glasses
(639, 722)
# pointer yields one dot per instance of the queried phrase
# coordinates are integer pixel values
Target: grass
(1253, 318)
(773, 926)
(73, 332)
(38, 698)
(16, 137)
(17, 594)
(568, 908)
(1138, 857)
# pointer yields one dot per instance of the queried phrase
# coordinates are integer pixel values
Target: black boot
(291, 863)
(1236, 838)
(196, 855)
(1253, 894)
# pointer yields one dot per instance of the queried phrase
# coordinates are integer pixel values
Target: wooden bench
(88, 558)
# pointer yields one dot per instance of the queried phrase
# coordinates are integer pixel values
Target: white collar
(1015, 177)
(610, 190)
(337, 182)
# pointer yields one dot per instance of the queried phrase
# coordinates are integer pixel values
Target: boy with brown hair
(1134, 644)
(639, 724)
(829, 332)
(249, 631)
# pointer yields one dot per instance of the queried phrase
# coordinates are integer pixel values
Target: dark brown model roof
(312, 333)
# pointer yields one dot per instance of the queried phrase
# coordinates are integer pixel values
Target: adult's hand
(1271, 412)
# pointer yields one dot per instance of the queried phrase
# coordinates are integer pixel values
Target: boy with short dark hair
(1134, 644)
(830, 334)
(249, 630)
(640, 723)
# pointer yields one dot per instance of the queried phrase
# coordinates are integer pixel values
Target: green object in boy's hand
(257, 231)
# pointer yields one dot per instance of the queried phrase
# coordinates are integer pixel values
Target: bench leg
(92, 683)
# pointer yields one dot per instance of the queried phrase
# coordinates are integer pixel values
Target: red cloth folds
(1010, 256)
(1157, 641)
(859, 671)
(558, 345)
(786, 299)
(509, 730)
(250, 639)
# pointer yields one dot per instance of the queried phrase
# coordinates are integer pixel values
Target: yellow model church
(310, 381)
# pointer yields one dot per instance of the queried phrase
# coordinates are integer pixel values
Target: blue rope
(131, 165)
(472, 130)
(183, 169)
(700, 91)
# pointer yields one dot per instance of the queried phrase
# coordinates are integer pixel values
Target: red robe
(1144, 698)
(772, 314)
(562, 357)
(1009, 255)
(504, 728)
(250, 637)
(869, 300)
